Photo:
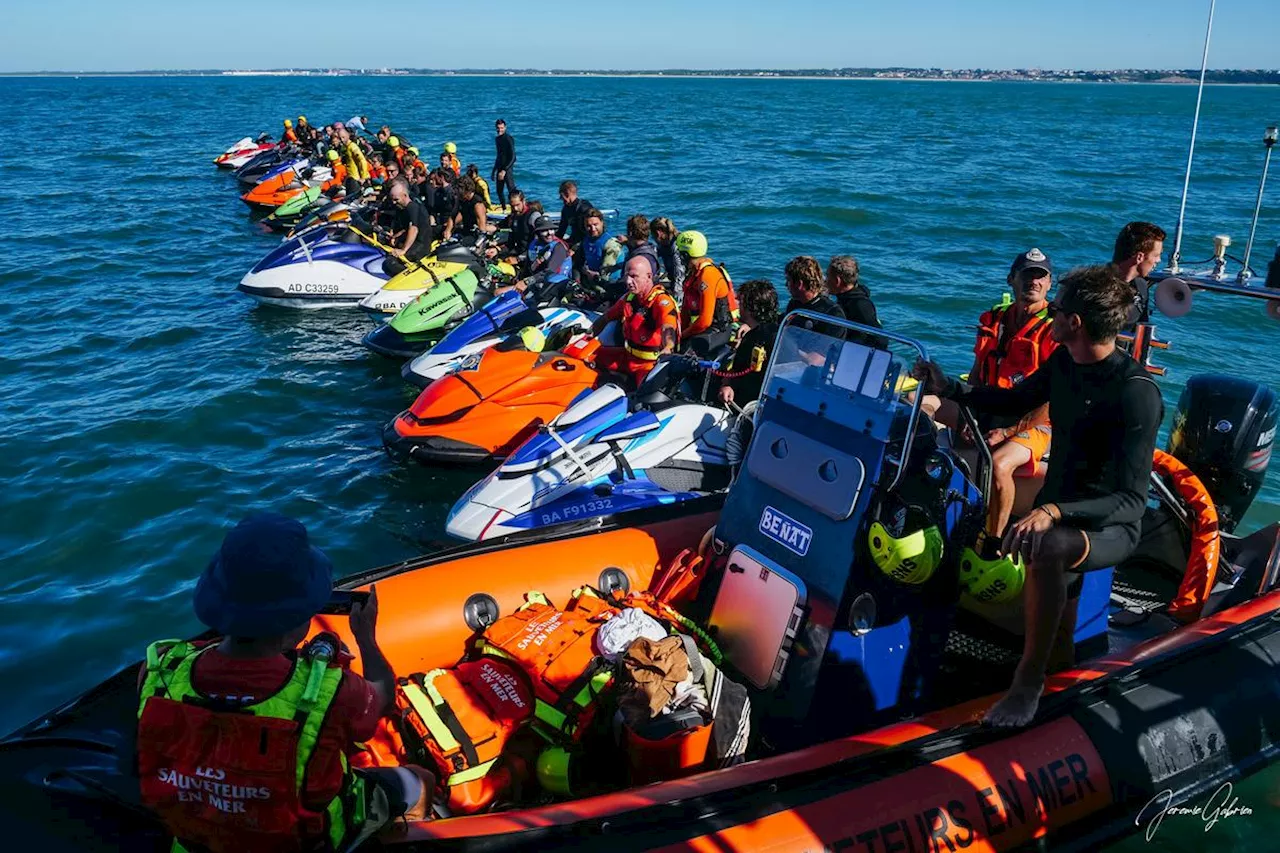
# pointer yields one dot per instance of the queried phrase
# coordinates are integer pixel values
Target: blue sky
(82, 35)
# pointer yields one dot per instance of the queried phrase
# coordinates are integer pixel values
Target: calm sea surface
(145, 406)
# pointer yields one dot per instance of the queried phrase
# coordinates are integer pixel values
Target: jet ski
(855, 689)
(599, 459)
(279, 188)
(266, 163)
(329, 266)
(243, 151)
(492, 403)
(463, 289)
(292, 211)
(405, 288)
(506, 320)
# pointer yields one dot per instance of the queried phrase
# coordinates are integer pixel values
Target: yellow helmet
(533, 339)
(692, 243)
(908, 548)
(288, 123)
(413, 149)
(302, 119)
(991, 581)
(552, 770)
(393, 141)
(332, 155)
(450, 148)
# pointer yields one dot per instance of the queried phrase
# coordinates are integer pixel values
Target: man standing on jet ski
(412, 234)
(1106, 411)
(504, 162)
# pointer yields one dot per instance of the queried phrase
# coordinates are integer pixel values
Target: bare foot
(1015, 709)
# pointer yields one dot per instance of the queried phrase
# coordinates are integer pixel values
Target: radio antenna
(1191, 152)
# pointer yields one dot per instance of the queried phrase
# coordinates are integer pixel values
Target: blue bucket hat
(265, 580)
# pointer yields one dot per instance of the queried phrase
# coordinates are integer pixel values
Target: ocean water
(145, 405)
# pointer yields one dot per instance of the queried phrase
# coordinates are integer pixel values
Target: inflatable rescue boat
(864, 679)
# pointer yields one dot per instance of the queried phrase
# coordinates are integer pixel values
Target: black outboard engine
(1223, 431)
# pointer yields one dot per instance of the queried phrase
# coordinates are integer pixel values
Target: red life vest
(461, 720)
(228, 778)
(1006, 363)
(556, 649)
(644, 321)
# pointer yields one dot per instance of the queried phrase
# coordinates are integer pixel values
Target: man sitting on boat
(243, 741)
(1139, 246)
(1013, 342)
(1106, 411)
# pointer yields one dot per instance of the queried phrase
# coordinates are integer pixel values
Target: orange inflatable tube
(1206, 543)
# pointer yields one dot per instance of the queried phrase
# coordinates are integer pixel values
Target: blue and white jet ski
(499, 323)
(329, 266)
(597, 459)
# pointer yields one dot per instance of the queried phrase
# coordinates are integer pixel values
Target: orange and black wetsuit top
(1005, 356)
(644, 321)
(709, 303)
(289, 135)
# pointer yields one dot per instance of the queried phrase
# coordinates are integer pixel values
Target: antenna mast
(1191, 152)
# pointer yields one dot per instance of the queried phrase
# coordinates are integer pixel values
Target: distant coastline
(1024, 75)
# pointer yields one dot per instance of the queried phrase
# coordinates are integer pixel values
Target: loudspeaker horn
(1173, 297)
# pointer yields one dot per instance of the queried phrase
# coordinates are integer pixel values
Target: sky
(130, 35)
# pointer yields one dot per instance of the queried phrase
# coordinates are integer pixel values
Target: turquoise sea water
(145, 406)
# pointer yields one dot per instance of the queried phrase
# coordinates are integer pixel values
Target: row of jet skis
(507, 382)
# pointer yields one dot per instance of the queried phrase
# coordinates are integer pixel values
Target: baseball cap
(1031, 259)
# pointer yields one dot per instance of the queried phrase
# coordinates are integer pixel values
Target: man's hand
(997, 436)
(726, 394)
(491, 252)
(502, 174)
(931, 376)
(364, 618)
(1025, 537)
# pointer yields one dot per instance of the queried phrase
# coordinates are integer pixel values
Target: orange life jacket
(290, 136)
(644, 321)
(707, 289)
(1020, 355)
(462, 719)
(556, 649)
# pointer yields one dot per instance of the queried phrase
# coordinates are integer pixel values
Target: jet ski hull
(316, 271)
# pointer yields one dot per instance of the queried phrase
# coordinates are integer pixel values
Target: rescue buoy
(1206, 543)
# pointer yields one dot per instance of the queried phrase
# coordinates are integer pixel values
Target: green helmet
(450, 148)
(908, 548)
(552, 770)
(991, 581)
(393, 141)
(332, 155)
(692, 243)
(533, 339)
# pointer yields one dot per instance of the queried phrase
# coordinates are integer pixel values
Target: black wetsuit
(411, 214)
(857, 306)
(470, 217)
(1105, 418)
(504, 161)
(823, 304)
(572, 223)
(747, 388)
(1141, 311)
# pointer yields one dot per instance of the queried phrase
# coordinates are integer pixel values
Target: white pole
(1186, 182)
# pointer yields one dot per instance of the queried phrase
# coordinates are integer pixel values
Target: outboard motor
(1223, 431)
(828, 640)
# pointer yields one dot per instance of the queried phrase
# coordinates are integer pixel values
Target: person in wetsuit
(573, 214)
(550, 264)
(1139, 246)
(758, 301)
(665, 233)
(473, 215)
(845, 285)
(1106, 411)
(504, 162)
(588, 261)
(444, 209)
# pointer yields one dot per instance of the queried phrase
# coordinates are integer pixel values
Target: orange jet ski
(492, 402)
(864, 685)
(278, 189)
